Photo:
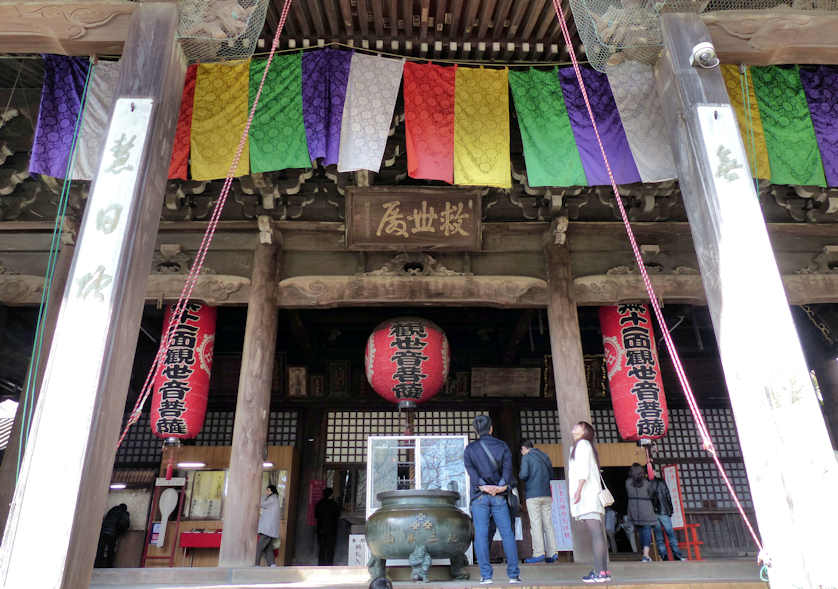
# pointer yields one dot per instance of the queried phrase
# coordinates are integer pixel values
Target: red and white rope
(198, 263)
(701, 425)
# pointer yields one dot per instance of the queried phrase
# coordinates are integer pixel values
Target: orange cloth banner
(429, 120)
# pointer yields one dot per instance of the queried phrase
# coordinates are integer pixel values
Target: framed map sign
(413, 218)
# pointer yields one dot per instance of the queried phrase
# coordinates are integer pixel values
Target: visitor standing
(488, 462)
(536, 472)
(611, 528)
(268, 528)
(585, 506)
(115, 523)
(639, 493)
(662, 505)
(327, 513)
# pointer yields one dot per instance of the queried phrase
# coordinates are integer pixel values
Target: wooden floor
(710, 574)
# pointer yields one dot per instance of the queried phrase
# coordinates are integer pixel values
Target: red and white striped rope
(701, 425)
(198, 263)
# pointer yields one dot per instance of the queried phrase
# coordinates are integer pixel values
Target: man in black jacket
(327, 514)
(116, 522)
(662, 504)
(536, 471)
(488, 462)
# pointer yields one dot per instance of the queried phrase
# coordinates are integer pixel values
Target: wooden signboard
(413, 218)
(505, 382)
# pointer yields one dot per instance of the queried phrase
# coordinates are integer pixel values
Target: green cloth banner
(550, 150)
(278, 135)
(789, 134)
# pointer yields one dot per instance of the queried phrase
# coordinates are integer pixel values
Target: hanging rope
(198, 263)
(46, 291)
(701, 426)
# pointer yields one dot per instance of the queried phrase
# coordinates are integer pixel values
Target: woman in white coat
(585, 506)
(268, 526)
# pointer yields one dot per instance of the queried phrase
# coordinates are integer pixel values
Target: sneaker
(534, 559)
(515, 581)
(645, 559)
(591, 577)
(681, 557)
(486, 581)
(603, 577)
(553, 558)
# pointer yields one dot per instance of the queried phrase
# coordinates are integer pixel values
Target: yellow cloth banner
(218, 119)
(481, 128)
(760, 167)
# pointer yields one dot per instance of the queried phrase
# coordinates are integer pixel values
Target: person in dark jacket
(639, 493)
(327, 513)
(536, 471)
(488, 462)
(116, 522)
(662, 505)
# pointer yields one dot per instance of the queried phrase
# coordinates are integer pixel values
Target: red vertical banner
(315, 494)
(181, 385)
(429, 120)
(633, 372)
(178, 166)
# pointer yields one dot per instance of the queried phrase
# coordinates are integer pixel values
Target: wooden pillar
(72, 442)
(8, 470)
(250, 430)
(311, 444)
(785, 447)
(568, 366)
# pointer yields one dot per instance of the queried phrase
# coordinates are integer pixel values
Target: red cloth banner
(178, 166)
(429, 121)
(633, 372)
(181, 385)
(407, 360)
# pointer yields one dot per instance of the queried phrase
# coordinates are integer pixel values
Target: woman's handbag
(605, 496)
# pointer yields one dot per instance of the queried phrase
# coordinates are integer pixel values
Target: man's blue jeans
(481, 509)
(665, 522)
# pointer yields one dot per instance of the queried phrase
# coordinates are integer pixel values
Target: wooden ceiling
(478, 30)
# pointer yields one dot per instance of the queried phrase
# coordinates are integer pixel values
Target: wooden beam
(424, 16)
(346, 15)
(456, 16)
(407, 13)
(394, 19)
(515, 21)
(439, 21)
(317, 19)
(302, 20)
(66, 28)
(486, 14)
(500, 19)
(533, 19)
(772, 401)
(364, 17)
(250, 430)
(766, 37)
(73, 438)
(470, 16)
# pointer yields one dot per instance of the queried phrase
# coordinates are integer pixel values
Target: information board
(561, 515)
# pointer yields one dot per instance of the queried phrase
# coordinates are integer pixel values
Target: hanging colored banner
(368, 113)
(325, 75)
(639, 108)
(181, 385)
(219, 116)
(820, 84)
(278, 135)
(747, 117)
(634, 378)
(608, 122)
(179, 164)
(550, 151)
(61, 98)
(429, 121)
(481, 128)
(789, 134)
(97, 114)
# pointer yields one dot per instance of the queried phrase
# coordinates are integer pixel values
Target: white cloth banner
(670, 476)
(368, 111)
(633, 86)
(561, 515)
(94, 127)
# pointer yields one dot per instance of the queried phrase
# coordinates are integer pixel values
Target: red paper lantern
(407, 360)
(181, 385)
(633, 372)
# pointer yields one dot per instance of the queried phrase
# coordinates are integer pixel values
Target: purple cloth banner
(608, 122)
(820, 84)
(60, 102)
(325, 75)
